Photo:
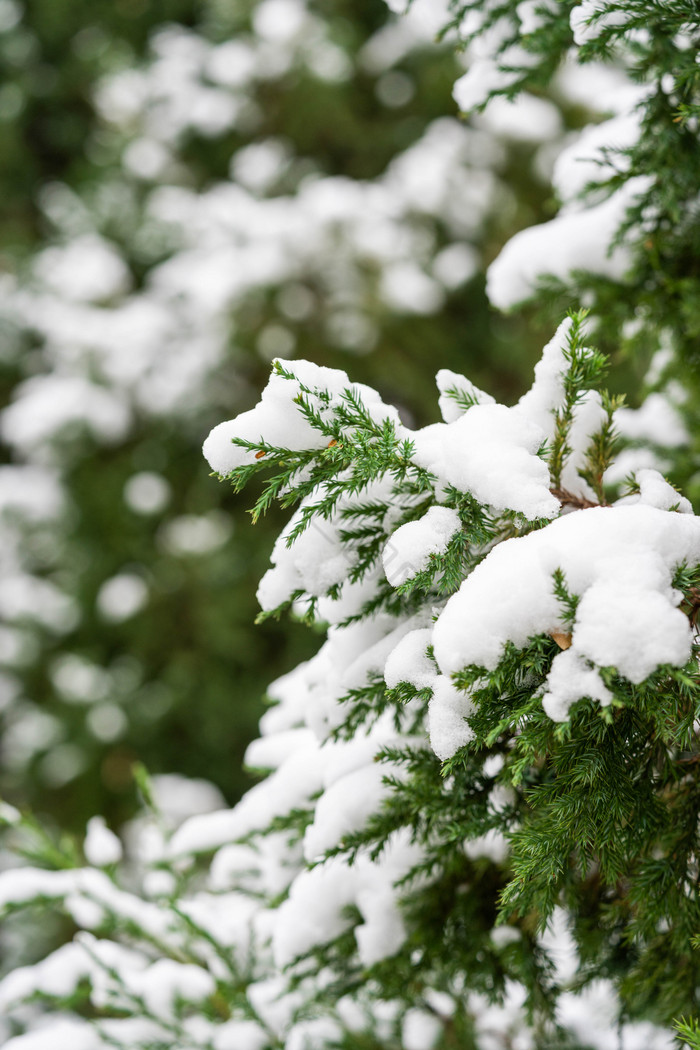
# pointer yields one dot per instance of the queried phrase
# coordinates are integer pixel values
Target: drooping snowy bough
(476, 812)
(478, 826)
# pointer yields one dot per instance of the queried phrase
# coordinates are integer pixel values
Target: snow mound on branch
(545, 397)
(277, 419)
(573, 241)
(78, 1035)
(345, 807)
(102, 846)
(490, 452)
(582, 236)
(447, 712)
(657, 420)
(410, 548)
(488, 70)
(316, 561)
(449, 707)
(590, 18)
(89, 269)
(30, 493)
(619, 561)
(56, 975)
(410, 663)
(88, 894)
(320, 557)
(524, 118)
(448, 381)
(655, 491)
(597, 154)
(45, 405)
(316, 910)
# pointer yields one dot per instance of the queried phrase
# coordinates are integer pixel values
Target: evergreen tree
(241, 191)
(479, 822)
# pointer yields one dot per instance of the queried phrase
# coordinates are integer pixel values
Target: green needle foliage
(482, 803)
(601, 811)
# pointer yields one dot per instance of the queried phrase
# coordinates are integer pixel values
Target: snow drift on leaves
(619, 561)
(490, 452)
(277, 418)
(409, 550)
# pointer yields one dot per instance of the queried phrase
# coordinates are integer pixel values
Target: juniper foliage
(594, 815)
(657, 44)
(493, 757)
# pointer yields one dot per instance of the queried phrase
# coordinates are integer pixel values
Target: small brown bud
(562, 640)
(259, 455)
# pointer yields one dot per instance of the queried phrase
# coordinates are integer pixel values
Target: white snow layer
(545, 397)
(447, 712)
(319, 558)
(452, 387)
(657, 420)
(580, 237)
(522, 119)
(410, 548)
(410, 663)
(655, 491)
(573, 241)
(588, 18)
(277, 419)
(101, 846)
(620, 561)
(490, 452)
(596, 154)
(316, 910)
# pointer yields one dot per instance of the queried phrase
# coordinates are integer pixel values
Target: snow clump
(619, 561)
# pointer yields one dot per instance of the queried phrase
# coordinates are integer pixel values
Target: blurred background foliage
(154, 655)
